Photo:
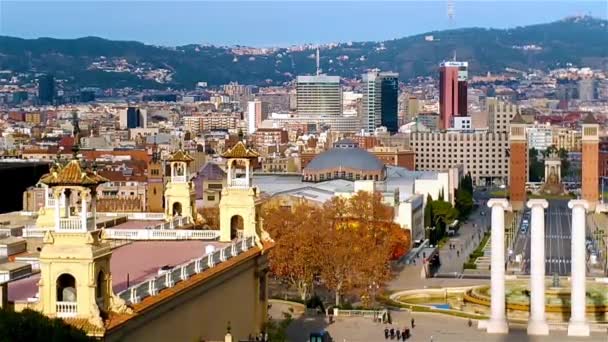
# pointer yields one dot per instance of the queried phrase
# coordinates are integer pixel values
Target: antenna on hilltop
(450, 10)
(318, 62)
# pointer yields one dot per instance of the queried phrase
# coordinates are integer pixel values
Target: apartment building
(484, 154)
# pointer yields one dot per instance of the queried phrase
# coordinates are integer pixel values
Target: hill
(92, 61)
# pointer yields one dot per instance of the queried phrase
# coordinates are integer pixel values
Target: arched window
(236, 225)
(66, 288)
(99, 285)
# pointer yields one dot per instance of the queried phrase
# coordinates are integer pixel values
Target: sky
(272, 23)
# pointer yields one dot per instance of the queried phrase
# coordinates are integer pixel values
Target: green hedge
(470, 265)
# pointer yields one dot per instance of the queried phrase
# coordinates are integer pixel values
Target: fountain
(553, 176)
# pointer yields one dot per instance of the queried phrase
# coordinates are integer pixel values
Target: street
(558, 223)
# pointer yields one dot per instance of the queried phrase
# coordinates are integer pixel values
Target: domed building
(344, 161)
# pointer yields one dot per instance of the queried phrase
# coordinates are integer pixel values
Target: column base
(578, 328)
(538, 327)
(498, 326)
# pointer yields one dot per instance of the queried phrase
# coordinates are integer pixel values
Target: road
(558, 223)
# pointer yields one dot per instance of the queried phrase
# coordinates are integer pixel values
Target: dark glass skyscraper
(46, 89)
(133, 118)
(389, 101)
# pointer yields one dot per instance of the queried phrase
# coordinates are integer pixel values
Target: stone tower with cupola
(156, 186)
(239, 206)
(75, 279)
(179, 191)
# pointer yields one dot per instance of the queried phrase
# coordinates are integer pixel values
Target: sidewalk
(467, 239)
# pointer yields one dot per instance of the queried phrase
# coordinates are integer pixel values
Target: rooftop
(137, 261)
(71, 174)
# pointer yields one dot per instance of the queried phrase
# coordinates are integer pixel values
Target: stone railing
(70, 224)
(66, 309)
(239, 183)
(140, 216)
(33, 232)
(160, 234)
(169, 278)
(178, 179)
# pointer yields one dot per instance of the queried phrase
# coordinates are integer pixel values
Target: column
(498, 320)
(64, 202)
(537, 324)
(57, 198)
(578, 323)
(83, 210)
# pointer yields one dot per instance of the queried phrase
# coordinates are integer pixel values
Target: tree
(464, 202)
(211, 217)
(294, 258)
(428, 212)
(32, 326)
(443, 214)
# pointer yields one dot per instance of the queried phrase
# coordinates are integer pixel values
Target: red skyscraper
(452, 92)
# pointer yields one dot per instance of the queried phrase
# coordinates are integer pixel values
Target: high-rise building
(46, 89)
(453, 78)
(133, 117)
(257, 111)
(587, 89)
(380, 101)
(319, 95)
(389, 102)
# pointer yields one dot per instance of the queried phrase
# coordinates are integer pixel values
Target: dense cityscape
(376, 204)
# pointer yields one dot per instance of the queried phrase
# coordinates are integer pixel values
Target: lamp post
(373, 288)
(429, 229)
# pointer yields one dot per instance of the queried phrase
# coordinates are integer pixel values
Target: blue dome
(351, 158)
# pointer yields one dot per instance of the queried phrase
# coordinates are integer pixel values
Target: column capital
(502, 202)
(578, 203)
(538, 202)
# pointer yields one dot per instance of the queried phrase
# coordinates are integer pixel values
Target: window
(210, 198)
(214, 186)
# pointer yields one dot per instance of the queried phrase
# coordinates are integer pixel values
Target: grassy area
(553, 197)
(478, 252)
(498, 193)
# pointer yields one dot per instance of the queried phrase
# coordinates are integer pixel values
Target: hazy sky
(270, 23)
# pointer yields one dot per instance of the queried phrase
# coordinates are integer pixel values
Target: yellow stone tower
(75, 279)
(179, 192)
(156, 185)
(239, 206)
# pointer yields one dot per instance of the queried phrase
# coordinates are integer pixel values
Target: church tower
(239, 206)
(590, 168)
(156, 185)
(518, 162)
(179, 192)
(75, 279)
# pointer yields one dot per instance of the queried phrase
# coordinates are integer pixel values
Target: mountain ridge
(581, 41)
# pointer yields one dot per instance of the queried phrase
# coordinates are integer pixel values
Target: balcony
(66, 309)
(74, 224)
(241, 183)
(178, 179)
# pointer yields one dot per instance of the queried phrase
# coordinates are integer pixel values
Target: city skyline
(315, 23)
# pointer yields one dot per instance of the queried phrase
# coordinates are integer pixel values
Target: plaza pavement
(440, 328)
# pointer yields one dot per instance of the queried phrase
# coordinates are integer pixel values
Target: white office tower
(319, 95)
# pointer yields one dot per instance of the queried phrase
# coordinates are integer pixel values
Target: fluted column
(578, 325)
(537, 324)
(498, 319)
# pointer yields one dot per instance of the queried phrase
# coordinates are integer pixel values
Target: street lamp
(429, 229)
(373, 288)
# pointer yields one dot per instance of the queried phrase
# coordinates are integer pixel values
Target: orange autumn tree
(295, 258)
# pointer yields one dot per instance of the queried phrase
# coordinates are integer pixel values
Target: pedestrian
(386, 333)
(413, 323)
(398, 334)
(458, 254)
(403, 335)
(431, 338)
(470, 323)
(392, 333)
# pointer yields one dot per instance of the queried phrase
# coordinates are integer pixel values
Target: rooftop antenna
(318, 61)
(450, 11)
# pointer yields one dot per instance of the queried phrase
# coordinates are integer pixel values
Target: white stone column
(578, 325)
(57, 198)
(537, 324)
(64, 202)
(83, 211)
(498, 319)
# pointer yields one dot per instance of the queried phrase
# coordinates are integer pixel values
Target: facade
(269, 137)
(500, 114)
(395, 156)
(155, 185)
(318, 95)
(590, 163)
(371, 109)
(193, 124)
(540, 136)
(257, 111)
(209, 182)
(518, 162)
(567, 139)
(453, 78)
(179, 191)
(46, 89)
(219, 121)
(431, 121)
(587, 89)
(133, 117)
(483, 154)
(389, 103)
